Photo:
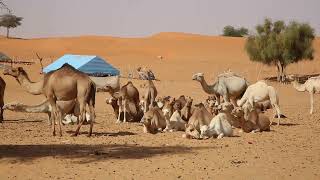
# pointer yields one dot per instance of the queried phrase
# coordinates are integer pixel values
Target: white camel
(228, 85)
(259, 92)
(312, 85)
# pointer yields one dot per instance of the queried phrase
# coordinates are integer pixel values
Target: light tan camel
(2, 89)
(134, 113)
(65, 84)
(128, 92)
(153, 121)
(259, 92)
(66, 107)
(220, 124)
(312, 85)
(228, 85)
(176, 123)
(186, 111)
(255, 121)
(200, 117)
(148, 99)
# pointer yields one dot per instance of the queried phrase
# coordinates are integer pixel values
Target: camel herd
(70, 97)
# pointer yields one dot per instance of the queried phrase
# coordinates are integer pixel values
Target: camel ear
(20, 69)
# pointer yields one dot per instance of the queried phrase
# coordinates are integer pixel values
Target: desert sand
(122, 151)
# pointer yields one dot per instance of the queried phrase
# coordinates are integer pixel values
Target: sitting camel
(149, 97)
(67, 108)
(250, 120)
(153, 121)
(199, 117)
(176, 123)
(186, 111)
(228, 85)
(312, 85)
(220, 125)
(259, 92)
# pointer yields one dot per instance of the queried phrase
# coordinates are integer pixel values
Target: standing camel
(65, 84)
(2, 88)
(127, 93)
(228, 85)
(149, 97)
(312, 85)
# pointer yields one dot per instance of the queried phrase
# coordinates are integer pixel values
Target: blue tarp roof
(92, 65)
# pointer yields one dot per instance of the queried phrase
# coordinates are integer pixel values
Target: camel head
(204, 132)
(14, 106)
(225, 107)
(238, 112)
(15, 72)
(191, 131)
(198, 77)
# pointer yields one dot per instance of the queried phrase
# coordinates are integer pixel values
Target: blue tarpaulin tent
(91, 65)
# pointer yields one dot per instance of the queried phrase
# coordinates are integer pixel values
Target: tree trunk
(7, 32)
(281, 74)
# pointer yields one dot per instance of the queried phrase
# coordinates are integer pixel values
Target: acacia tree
(10, 21)
(278, 44)
(233, 32)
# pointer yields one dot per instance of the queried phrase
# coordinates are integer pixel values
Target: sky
(139, 18)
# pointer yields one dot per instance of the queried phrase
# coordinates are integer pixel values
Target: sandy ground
(122, 151)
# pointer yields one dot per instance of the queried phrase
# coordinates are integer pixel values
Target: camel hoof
(118, 122)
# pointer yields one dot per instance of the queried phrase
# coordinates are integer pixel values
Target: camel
(149, 97)
(312, 85)
(211, 105)
(153, 121)
(186, 111)
(259, 92)
(67, 108)
(167, 108)
(200, 117)
(255, 121)
(179, 103)
(220, 124)
(176, 123)
(134, 113)
(2, 89)
(65, 84)
(102, 82)
(127, 93)
(228, 85)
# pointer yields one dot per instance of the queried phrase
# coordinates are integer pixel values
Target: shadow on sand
(86, 153)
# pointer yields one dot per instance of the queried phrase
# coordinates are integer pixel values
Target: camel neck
(298, 86)
(34, 88)
(210, 89)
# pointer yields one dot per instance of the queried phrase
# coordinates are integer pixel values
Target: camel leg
(125, 111)
(120, 109)
(92, 114)
(54, 114)
(311, 102)
(82, 106)
(278, 112)
(59, 115)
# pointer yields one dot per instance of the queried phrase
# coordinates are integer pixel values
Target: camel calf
(200, 117)
(149, 97)
(176, 123)
(219, 125)
(153, 121)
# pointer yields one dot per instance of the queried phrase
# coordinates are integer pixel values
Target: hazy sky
(44, 18)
